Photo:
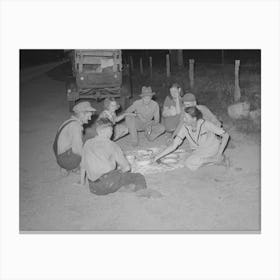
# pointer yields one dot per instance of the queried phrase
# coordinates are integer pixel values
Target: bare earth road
(213, 198)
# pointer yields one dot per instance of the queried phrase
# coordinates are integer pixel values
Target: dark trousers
(114, 180)
(68, 160)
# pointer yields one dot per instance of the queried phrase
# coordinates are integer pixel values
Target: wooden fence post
(131, 63)
(191, 72)
(141, 66)
(167, 66)
(180, 58)
(237, 93)
(151, 66)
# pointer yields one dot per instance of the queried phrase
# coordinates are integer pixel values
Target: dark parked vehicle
(97, 74)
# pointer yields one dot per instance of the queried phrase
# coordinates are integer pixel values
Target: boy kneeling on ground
(104, 164)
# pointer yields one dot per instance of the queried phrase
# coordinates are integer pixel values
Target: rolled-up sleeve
(120, 158)
(131, 108)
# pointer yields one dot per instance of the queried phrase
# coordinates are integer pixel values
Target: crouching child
(104, 164)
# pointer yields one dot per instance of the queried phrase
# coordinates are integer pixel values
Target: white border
(157, 24)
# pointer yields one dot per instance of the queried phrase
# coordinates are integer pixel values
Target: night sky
(37, 57)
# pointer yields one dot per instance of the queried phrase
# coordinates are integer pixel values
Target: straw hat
(146, 91)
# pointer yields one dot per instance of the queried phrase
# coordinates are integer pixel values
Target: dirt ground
(212, 198)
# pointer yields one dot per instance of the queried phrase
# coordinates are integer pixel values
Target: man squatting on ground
(105, 166)
(68, 143)
(146, 119)
(202, 135)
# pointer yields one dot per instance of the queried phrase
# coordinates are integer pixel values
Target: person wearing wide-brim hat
(68, 143)
(147, 117)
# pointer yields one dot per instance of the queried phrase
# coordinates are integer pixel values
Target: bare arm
(225, 138)
(130, 109)
(122, 116)
(156, 114)
(77, 142)
(222, 133)
(178, 106)
(175, 144)
(121, 159)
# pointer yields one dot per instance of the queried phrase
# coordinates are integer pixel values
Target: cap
(83, 107)
(189, 97)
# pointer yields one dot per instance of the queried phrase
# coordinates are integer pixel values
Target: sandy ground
(213, 198)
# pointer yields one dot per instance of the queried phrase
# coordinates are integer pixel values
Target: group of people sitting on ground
(101, 161)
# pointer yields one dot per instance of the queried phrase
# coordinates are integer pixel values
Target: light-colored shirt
(109, 115)
(71, 137)
(169, 103)
(206, 115)
(100, 156)
(203, 136)
(148, 112)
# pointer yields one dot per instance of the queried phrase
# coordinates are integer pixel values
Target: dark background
(37, 57)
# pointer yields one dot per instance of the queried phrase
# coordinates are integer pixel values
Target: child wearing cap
(104, 164)
(68, 141)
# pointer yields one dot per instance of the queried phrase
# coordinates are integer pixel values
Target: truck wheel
(71, 105)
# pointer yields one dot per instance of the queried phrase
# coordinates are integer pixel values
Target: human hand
(169, 141)
(154, 158)
(172, 111)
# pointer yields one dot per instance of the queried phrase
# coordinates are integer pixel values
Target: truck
(96, 74)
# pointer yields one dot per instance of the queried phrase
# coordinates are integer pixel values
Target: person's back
(104, 164)
(100, 156)
(70, 136)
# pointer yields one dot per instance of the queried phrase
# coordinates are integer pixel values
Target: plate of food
(144, 153)
(143, 162)
(169, 160)
(180, 151)
(173, 156)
